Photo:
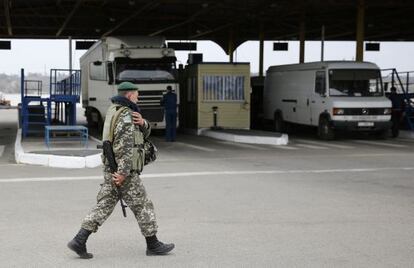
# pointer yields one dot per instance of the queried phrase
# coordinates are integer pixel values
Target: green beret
(127, 86)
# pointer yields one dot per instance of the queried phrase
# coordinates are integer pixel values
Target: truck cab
(144, 61)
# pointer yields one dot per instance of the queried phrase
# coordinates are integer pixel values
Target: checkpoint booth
(216, 95)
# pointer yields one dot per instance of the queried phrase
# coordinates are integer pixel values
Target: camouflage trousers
(134, 195)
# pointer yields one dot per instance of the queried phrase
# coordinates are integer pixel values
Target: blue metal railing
(65, 90)
(69, 85)
(34, 110)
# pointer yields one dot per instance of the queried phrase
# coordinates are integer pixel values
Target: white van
(332, 95)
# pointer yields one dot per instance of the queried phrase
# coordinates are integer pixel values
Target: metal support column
(360, 31)
(70, 64)
(323, 43)
(231, 45)
(70, 54)
(302, 42)
(261, 50)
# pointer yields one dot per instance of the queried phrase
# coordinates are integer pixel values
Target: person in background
(397, 111)
(169, 101)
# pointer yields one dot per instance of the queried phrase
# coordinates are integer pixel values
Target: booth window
(223, 88)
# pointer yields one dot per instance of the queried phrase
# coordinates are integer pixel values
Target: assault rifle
(113, 166)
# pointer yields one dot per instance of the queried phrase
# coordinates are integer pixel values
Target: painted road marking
(333, 145)
(284, 147)
(247, 146)
(209, 173)
(380, 143)
(197, 147)
(311, 146)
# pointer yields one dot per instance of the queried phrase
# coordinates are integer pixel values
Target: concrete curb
(282, 140)
(50, 160)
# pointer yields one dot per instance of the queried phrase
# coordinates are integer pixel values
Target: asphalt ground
(345, 203)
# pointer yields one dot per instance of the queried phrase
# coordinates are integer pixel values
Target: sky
(39, 56)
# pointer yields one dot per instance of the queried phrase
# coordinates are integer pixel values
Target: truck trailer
(331, 95)
(144, 61)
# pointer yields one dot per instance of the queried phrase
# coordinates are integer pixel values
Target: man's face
(133, 96)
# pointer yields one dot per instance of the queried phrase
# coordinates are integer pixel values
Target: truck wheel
(325, 131)
(89, 118)
(279, 124)
(93, 117)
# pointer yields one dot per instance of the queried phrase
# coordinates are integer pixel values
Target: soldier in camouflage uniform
(126, 128)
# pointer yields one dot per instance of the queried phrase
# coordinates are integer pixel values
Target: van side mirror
(97, 63)
(110, 73)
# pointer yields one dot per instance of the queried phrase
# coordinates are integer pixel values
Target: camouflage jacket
(123, 140)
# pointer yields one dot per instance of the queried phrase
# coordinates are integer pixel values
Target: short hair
(393, 89)
(169, 88)
(124, 92)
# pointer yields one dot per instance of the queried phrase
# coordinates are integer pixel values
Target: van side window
(320, 83)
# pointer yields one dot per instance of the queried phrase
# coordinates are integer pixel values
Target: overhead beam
(104, 3)
(212, 30)
(170, 27)
(148, 6)
(7, 15)
(234, 22)
(69, 17)
(314, 31)
(190, 19)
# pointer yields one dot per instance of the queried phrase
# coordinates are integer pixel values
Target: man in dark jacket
(169, 101)
(397, 111)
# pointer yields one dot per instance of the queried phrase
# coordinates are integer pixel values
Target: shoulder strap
(113, 121)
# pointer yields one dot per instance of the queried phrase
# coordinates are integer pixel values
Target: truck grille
(152, 114)
(150, 97)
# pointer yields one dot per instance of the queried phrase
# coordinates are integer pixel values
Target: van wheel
(279, 124)
(325, 131)
(395, 131)
(382, 134)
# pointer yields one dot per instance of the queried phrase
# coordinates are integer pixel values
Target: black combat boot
(156, 247)
(78, 244)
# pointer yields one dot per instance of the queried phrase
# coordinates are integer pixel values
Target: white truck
(331, 95)
(144, 61)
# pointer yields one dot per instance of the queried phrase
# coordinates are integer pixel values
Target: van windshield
(144, 70)
(355, 83)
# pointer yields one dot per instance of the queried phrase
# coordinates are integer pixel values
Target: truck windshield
(144, 70)
(355, 83)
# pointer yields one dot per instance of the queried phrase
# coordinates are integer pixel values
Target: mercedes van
(331, 95)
